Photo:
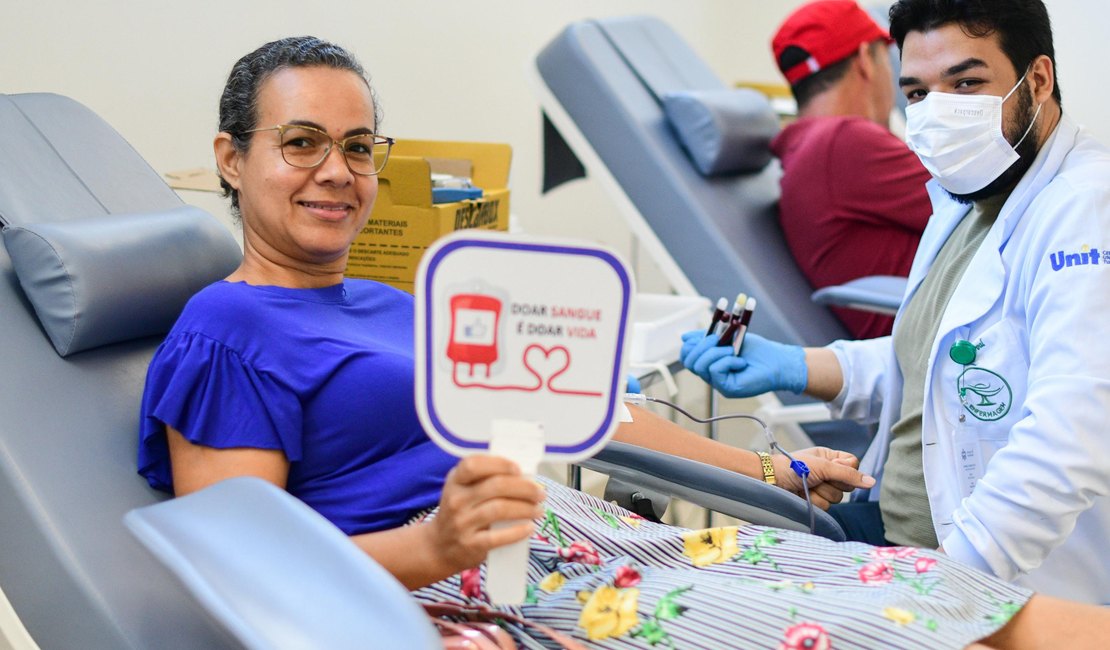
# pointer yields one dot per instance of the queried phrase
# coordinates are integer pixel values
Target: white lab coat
(1035, 300)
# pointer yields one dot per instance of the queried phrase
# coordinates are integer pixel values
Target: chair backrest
(68, 426)
(722, 231)
(60, 161)
(277, 574)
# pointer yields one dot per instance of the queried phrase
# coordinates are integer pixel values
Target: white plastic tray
(658, 323)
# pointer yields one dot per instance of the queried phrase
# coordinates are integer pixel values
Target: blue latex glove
(633, 384)
(762, 366)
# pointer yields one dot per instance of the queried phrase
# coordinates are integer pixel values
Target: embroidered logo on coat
(1086, 256)
(984, 393)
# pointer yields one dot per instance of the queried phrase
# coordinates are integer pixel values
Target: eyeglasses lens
(366, 154)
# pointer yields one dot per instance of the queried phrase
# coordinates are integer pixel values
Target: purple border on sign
(546, 248)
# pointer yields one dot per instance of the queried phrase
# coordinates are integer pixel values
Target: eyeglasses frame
(378, 139)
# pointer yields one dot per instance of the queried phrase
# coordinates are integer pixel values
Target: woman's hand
(479, 492)
(831, 474)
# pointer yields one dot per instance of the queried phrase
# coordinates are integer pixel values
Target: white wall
(1082, 52)
(444, 70)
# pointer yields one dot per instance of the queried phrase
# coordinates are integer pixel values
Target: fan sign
(520, 328)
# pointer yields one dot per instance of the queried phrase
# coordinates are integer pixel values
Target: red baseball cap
(825, 32)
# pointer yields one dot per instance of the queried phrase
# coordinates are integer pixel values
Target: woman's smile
(327, 210)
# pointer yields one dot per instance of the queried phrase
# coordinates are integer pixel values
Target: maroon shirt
(853, 204)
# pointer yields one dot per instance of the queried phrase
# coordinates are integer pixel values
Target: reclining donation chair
(77, 330)
(688, 162)
(641, 110)
(99, 257)
(686, 158)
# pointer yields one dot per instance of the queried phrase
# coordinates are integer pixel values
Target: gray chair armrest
(276, 574)
(877, 293)
(711, 487)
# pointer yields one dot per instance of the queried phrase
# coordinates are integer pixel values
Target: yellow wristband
(768, 467)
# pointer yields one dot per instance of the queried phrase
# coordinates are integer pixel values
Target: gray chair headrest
(114, 278)
(724, 131)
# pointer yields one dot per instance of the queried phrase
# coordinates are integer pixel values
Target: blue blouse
(323, 375)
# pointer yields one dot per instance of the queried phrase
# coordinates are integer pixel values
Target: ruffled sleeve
(214, 397)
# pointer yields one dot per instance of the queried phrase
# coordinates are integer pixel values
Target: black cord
(800, 468)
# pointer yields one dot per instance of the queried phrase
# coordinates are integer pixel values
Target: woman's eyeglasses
(307, 147)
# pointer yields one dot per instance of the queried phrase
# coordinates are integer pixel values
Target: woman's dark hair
(1023, 27)
(239, 101)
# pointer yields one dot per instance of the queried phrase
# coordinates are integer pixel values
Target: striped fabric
(602, 575)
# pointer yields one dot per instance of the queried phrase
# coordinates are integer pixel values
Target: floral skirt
(613, 580)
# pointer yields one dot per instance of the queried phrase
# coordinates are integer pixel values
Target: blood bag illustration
(474, 326)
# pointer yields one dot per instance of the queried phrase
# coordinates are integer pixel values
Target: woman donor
(288, 371)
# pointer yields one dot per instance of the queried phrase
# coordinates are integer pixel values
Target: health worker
(992, 395)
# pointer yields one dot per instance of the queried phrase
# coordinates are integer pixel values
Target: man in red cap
(853, 195)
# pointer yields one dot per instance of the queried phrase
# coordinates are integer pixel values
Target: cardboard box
(200, 179)
(404, 221)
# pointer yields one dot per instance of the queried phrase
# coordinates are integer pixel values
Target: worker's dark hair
(1023, 27)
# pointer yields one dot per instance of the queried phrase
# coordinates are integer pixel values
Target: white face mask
(959, 138)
